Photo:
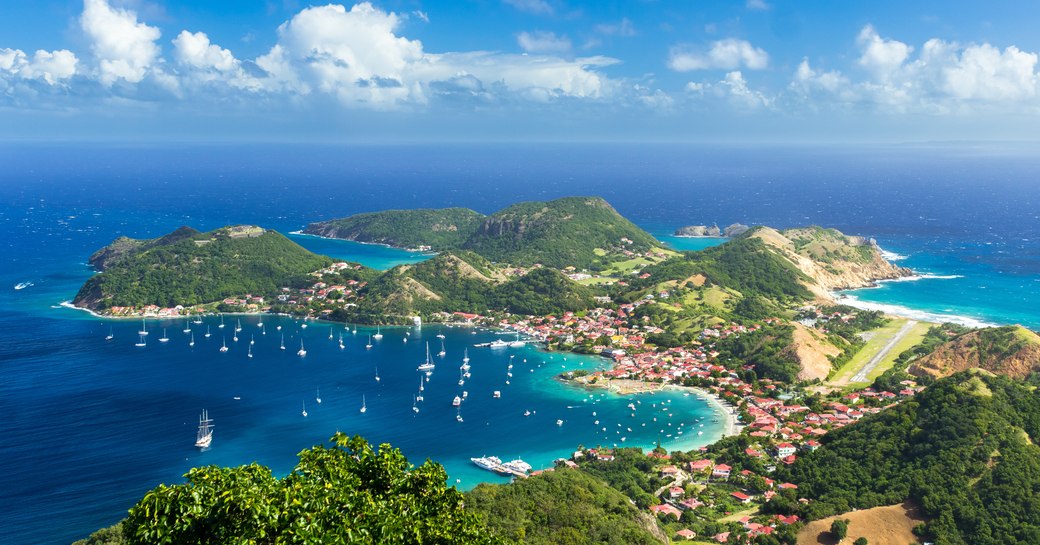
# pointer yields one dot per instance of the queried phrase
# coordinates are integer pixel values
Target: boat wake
(23, 285)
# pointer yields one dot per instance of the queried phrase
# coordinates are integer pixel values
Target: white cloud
(882, 57)
(124, 48)
(50, 66)
(757, 5)
(195, 50)
(983, 72)
(735, 86)
(543, 42)
(727, 54)
(537, 7)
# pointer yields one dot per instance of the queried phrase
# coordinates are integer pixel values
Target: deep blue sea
(90, 425)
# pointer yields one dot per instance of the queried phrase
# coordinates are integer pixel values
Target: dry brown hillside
(1013, 351)
(833, 260)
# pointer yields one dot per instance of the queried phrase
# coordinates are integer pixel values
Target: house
(686, 534)
(676, 492)
(811, 445)
(783, 450)
(741, 497)
(721, 471)
(666, 509)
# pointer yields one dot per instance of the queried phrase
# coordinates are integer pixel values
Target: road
(861, 376)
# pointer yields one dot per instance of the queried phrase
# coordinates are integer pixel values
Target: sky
(740, 71)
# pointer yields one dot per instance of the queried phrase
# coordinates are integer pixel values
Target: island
(841, 419)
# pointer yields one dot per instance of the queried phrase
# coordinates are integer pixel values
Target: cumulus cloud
(624, 27)
(537, 7)
(757, 5)
(195, 50)
(942, 77)
(124, 48)
(727, 54)
(543, 42)
(52, 67)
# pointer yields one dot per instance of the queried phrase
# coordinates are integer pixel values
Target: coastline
(728, 412)
(899, 311)
(300, 233)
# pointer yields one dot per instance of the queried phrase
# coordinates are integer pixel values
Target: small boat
(369, 345)
(559, 422)
(221, 326)
(111, 334)
(527, 413)
(252, 340)
(458, 415)
(517, 343)
(442, 352)
(260, 322)
(205, 434)
(141, 341)
(301, 352)
(192, 341)
(330, 333)
(415, 408)
(187, 328)
(144, 328)
(378, 335)
(427, 366)
(234, 337)
(421, 387)
(496, 394)
(238, 326)
(317, 397)
(465, 394)
(207, 332)
(363, 407)
(223, 347)
(304, 413)
(377, 373)
(440, 335)
(23, 285)
(263, 330)
(198, 319)
(456, 402)
(465, 356)
(282, 346)
(249, 352)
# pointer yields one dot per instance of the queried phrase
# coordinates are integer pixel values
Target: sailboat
(420, 396)
(428, 365)
(144, 328)
(378, 335)
(205, 434)
(458, 414)
(330, 333)
(263, 330)
(282, 346)
(465, 355)
(363, 407)
(304, 413)
(301, 352)
(164, 338)
(252, 340)
(415, 408)
(249, 352)
(141, 341)
(192, 341)
(207, 332)
(223, 345)
(341, 345)
(235, 336)
(317, 397)
(238, 325)
(377, 373)
(517, 343)
(221, 326)
(111, 334)
(354, 331)
(442, 352)
(369, 345)
(187, 328)
(198, 319)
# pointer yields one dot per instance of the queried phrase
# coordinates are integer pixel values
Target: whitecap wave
(891, 256)
(914, 314)
(916, 277)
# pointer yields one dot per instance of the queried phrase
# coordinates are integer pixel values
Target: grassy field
(877, 342)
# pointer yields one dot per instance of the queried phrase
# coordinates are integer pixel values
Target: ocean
(90, 424)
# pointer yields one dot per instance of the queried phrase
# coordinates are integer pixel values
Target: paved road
(861, 376)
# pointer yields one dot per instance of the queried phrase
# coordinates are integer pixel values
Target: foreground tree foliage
(346, 493)
(567, 507)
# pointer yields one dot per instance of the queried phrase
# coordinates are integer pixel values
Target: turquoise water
(376, 256)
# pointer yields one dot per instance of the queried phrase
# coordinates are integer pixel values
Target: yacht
(207, 332)
(317, 397)
(428, 365)
(187, 328)
(363, 407)
(559, 422)
(192, 341)
(465, 357)
(223, 347)
(415, 408)
(517, 343)
(496, 394)
(304, 413)
(282, 346)
(527, 413)
(221, 326)
(498, 343)
(249, 352)
(144, 328)
(378, 334)
(369, 345)
(205, 434)
(301, 352)
(442, 352)
(111, 334)
(141, 341)
(456, 402)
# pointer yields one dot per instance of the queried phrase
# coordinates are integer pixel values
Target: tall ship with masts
(205, 435)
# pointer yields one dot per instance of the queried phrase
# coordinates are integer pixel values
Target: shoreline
(899, 311)
(300, 233)
(728, 412)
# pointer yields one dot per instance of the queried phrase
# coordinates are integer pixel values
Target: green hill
(187, 267)
(560, 233)
(441, 229)
(1013, 351)
(563, 506)
(963, 450)
(584, 232)
(465, 282)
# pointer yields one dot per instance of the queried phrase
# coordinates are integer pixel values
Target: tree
(347, 493)
(840, 528)
(860, 541)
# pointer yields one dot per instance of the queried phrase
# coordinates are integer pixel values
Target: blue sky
(399, 71)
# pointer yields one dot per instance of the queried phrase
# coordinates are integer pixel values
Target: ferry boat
(205, 434)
